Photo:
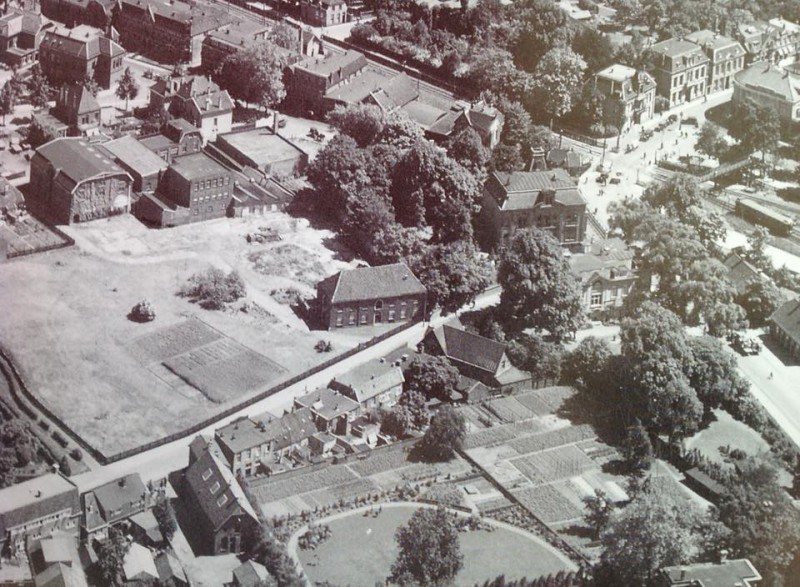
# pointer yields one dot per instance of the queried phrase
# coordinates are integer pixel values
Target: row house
(375, 384)
(76, 181)
(629, 95)
(605, 274)
(776, 41)
(332, 412)
(198, 100)
(769, 85)
(21, 33)
(680, 69)
(371, 295)
(548, 200)
(112, 503)
(35, 509)
(726, 57)
(169, 31)
(74, 55)
(76, 113)
(322, 13)
(96, 13)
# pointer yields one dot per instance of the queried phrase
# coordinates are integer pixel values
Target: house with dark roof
(784, 326)
(169, 31)
(741, 273)
(113, 503)
(332, 411)
(36, 508)
(198, 100)
(76, 113)
(517, 200)
(21, 33)
(605, 273)
(250, 574)
(729, 573)
(322, 13)
(170, 570)
(96, 13)
(725, 58)
(775, 41)
(219, 505)
(476, 357)
(375, 384)
(629, 95)
(486, 120)
(680, 70)
(144, 166)
(371, 295)
(72, 55)
(76, 181)
(567, 159)
(769, 85)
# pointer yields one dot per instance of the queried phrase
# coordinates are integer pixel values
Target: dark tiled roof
(36, 498)
(327, 403)
(120, 493)
(290, 429)
(77, 159)
(740, 272)
(472, 349)
(726, 574)
(373, 283)
(520, 190)
(787, 318)
(82, 41)
(75, 98)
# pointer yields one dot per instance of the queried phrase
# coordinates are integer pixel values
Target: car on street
(744, 345)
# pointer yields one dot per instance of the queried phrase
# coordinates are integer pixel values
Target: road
(159, 462)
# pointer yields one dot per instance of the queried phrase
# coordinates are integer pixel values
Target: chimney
(122, 482)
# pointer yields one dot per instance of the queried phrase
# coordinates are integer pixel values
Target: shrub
(213, 289)
(44, 425)
(323, 346)
(59, 438)
(143, 312)
(76, 454)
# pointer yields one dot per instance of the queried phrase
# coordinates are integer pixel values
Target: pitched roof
(725, 574)
(290, 429)
(675, 48)
(121, 492)
(36, 498)
(81, 41)
(250, 574)
(131, 153)
(347, 63)
(740, 272)
(770, 79)
(472, 349)
(77, 99)
(370, 379)
(217, 493)
(327, 403)
(61, 575)
(373, 283)
(787, 318)
(78, 160)
(240, 435)
(720, 46)
(520, 190)
(609, 258)
(169, 567)
(139, 564)
(148, 523)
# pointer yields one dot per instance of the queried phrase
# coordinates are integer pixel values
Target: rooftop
(675, 48)
(373, 283)
(520, 190)
(136, 156)
(139, 564)
(370, 379)
(240, 435)
(327, 403)
(262, 146)
(711, 40)
(33, 491)
(123, 491)
(77, 159)
(347, 63)
(605, 254)
(726, 574)
(196, 165)
(787, 317)
(770, 79)
(469, 348)
(250, 574)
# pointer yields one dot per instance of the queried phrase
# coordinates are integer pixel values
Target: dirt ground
(65, 320)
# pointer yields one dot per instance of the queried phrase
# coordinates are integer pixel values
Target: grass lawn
(726, 431)
(362, 549)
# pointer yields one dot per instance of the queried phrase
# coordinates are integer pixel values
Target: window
(351, 318)
(379, 305)
(363, 316)
(597, 298)
(339, 318)
(391, 314)
(207, 474)
(403, 311)
(223, 499)
(214, 488)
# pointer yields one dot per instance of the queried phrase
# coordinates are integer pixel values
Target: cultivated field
(28, 235)
(119, 383)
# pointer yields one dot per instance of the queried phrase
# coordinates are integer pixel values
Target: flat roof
(196, 165)
(262, 146)
(135, 155)
(33, 490)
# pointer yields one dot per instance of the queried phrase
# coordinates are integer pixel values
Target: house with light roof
(629, 95)
(768, 85)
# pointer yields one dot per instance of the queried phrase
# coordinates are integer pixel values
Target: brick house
(605, 273)
(322, 13)
(198, 100)
(548, 200)
(311, 79)
(178, 137)
(220, 506)
(784, 326)
(199, 184)
(72, 55)
(36, 508)
(726, 57)
(332, 412)
(21, 33)
(76, 181)
(769, 85)
(169, 31)
(112, 503)
(144, 166)
(681, 71)
(96, 13)
(76, 113)
(371, 295)
(375, 384)
(629, 95)
(486, 120)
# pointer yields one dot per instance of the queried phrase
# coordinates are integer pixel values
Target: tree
(65, 466)
(466, 148)
(598, 510)
(543, 25)
(711, 141)
(254, 75)
(17, 85)
(90, 83)
(507, 157)
(38, 87)
(757, 242)
(7, 101)
(363, 122)
(410, 412)
(444, 436)
(531, 353)
(432, 376)
(430, 554)
(589, 363)
(713, 373)
(654, 332)
(110, 556)
(637, 450)
(757, 127)
(559, 77)
(539, 290)
(165, 516)
(127, 87)
(283, 35)
(270, 552)
(339, 169)
(759, 299)
(594, 47)
(212, 289)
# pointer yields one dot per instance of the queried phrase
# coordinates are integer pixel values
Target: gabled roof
(79, 160)
(327, 403)
(787, 318)
(215, 489)
(121, 492)
(250, 574)
(82, 41)
(472, 349)
(36, 498)
(240, 435)
(372, 283)
(169, 568)
(370, 379)
(138, 564)
(740, 272)
(610, 259)
(61, 575)
(146, 521)
(75, 98)
(347, 63)
(290, 429)
(131, 153)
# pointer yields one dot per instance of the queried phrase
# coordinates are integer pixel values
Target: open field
(65, 325)
(361, 550)
(726, 433)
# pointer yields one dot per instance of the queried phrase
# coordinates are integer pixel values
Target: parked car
(744, 345)
(615, 180)
(690, 120)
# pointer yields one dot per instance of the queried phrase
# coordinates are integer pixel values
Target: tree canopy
(254, 75)
(444, 436)
(429, 550)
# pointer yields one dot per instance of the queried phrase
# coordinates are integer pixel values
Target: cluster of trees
(18, 448)
(755, 127)
(213, 288)
(396, 196)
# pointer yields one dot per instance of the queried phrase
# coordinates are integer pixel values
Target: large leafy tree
(38, 87)
(254, 75)
(712, 141)
(759, 299)
(559, 78)
(466, 148)
(110, 556)
(542, 26)
(713, 373)
(430, 554)
(363, 122)
(532, 353)
(444, 436)
(127, 87)
(433, 376)
(539, 290)
(7, 101)
(589, 364)
(757, 127)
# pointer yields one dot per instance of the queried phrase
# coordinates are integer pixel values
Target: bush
(44, 425)
(76, 454)
(59, 438)
(213, 289)
(143, 312)
(323, 346)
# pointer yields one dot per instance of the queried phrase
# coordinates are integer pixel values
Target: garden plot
(381, 460)
(289, 261)
(171, 341)
(552, 438)
(559, 463)
(501, 434)
(548, 504)
(508, 409)
(275, 489)
(345, 492)
(551, 397)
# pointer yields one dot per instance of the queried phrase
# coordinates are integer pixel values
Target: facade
(178, 137)
(76, 113)
(72, 55)
(681, 70)
(75, 181)
(629, 95)
(313, 78)
(376, 384)
(726, 57)
(605, 272)
(548, 200)
(371, 295)
(169, 31)
(112, 503)
(36, 508)
(322, 13)
(144, 166)
(229, 39)
(265, 150)
(476, 357)
(332, 412)
(196, 99)
(220, 506)
(740, 572)
(20, 36)
(96, 13)
(768, 85)
(784, 326)
(199, 184)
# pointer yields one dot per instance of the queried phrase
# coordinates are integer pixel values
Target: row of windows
(614, 293)
(697, 74)
(208, 197)
(363, 313)
(723, 67)
(212, 183)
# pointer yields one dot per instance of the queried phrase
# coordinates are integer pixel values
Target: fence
(67, 241)
(724, 169)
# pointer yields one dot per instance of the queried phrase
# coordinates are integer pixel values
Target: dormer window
(207, 474)
(214, 488)
(222, 500)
